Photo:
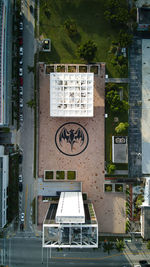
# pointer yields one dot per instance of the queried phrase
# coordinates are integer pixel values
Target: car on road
(20, 71)
(21, 81)
(20, 183)
(22, 217)
(20, 178)
(21, 51)
(21, 25)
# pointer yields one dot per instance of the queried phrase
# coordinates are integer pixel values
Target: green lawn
(110, 126)
(91, 24)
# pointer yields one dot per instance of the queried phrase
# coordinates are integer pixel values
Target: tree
(120, 245)
(107, 246)
(125, 39)
(111, 168)
(117, 12)
(71, 27)
(31, 103)
(31, 69)
(122, 126)
(148, 244)
(87, 50)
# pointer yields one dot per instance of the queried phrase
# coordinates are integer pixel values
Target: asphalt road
(27, 129)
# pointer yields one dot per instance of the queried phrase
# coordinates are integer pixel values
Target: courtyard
(85, 157)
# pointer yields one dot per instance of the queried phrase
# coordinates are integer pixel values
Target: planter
(108, 187)
(48, 175)
(61, 68)
(71, 175)
(49, 69)
(94, 69)
(71, 68)
(60, 175)
(82, 68)
(119, 188)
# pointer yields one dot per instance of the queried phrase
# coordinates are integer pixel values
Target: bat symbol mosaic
(71, 139)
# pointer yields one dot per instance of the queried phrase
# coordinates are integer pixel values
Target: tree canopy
(87, 50)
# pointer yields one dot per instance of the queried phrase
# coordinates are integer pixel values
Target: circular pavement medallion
(71, 139)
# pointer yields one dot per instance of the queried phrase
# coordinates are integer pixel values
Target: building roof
(119, 149)
(71, 94)
(70, 208)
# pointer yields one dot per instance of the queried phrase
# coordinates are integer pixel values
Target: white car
(20, 25)
(21, 51)
(20, 178)
(20, 72)
(21, 103)
(21, 117)
(22, 217)
(21, 90)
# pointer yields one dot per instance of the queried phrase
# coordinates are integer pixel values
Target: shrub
(87, 50)
(60, 175)
(122, 126)
(111, 168)
(71, 27)
(71, 175)
(108, 187)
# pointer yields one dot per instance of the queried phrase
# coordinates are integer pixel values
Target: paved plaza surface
(89, 165)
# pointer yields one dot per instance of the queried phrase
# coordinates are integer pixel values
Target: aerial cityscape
(74, 133)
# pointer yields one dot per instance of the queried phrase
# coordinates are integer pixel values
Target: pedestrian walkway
(135, 94)
(116, 80)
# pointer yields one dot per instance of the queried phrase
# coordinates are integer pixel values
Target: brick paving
(109, 207)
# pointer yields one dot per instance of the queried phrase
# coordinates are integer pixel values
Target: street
(27, 129)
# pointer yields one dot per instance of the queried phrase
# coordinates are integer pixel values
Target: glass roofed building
(71, 94)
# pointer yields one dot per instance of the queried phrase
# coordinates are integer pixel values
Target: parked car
(21, 102)
(20, 183)
(143, 263)
(20, 40)
(21, 81)
(21, 51)
(20, 158)
(21, 25)
(20, 61)
(22, 217)
(20, 71)
(21, 117)
(21, 90)
(31, 8)
(21, 226)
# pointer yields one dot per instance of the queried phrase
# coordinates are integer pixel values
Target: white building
(71, 94)
(4, 163)
(70, 223)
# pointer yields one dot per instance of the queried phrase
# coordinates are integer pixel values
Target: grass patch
(71, 175)
(110, 126)
(13, 209)
(60, 175)
(93, 26)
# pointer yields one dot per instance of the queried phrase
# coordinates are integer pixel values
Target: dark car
(21, 81)
(20, 158)
(143, 262)
(20, 186)
(21, 226)
(31, 8)
(20, 40)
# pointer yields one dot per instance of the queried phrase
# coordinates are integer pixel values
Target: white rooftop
(71, 94)
(70, 208)
(145, 106)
